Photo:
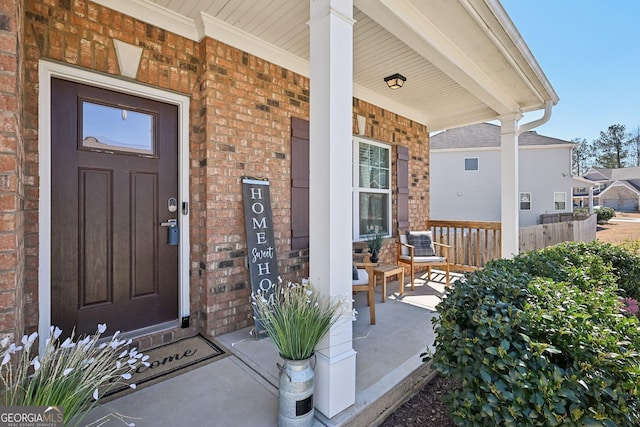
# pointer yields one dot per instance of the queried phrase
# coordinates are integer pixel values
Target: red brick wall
(248, 107)
(11, 174)
(240, 114)
(81, 33)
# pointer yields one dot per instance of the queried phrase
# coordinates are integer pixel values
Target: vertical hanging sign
(261, 248)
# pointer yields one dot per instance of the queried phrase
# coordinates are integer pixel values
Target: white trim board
(48, 70)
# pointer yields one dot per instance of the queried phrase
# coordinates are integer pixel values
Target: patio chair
(363, 280)
(417, 249)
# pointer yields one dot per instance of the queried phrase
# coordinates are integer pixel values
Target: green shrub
(626, 265)
(581, 211)
(556, 262)
(540, 340)
(604, 214)
(632, 246)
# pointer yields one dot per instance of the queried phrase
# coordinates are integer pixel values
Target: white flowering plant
(71, 374)
(297, 317)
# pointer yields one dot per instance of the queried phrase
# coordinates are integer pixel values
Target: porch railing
(473, 243)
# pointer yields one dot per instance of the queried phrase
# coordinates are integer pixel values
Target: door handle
(173, 232)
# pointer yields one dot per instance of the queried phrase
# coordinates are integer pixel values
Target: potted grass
(375, 242)
(68, 374)
(296, 317)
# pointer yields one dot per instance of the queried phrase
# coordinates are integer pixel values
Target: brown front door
(114, 181)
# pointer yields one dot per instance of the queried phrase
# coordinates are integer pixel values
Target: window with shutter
(372, 188)
(299, 183)
(402, 179)
(372, 194)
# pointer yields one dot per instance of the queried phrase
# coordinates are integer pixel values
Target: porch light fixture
(395, 81)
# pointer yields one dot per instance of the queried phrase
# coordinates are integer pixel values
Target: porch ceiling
(464, 60)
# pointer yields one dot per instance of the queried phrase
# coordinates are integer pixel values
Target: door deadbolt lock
(172, 205)
(173, 231)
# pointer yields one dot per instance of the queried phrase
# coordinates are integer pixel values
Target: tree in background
(581, 156)
(612, 147)
(635, 145)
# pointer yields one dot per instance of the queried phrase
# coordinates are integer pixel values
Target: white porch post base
(334, 383)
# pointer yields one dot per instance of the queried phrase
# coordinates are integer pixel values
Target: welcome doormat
(168, 360)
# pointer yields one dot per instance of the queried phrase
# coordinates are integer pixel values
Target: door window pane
(107, 128)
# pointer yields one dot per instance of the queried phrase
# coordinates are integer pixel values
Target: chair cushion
(426, 259)
(363, 278)
(423, 243)
(354, 273)
(404, 251)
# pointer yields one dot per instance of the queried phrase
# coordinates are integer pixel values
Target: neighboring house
(465, 175)
(617, 188)
(122, 115)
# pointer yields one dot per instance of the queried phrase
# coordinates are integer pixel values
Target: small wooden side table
(389, 270)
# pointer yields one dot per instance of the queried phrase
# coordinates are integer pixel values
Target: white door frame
(48, 70)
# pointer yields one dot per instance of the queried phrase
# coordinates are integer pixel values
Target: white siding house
(615, 188)
(465, 175)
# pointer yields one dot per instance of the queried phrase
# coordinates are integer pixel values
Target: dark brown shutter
(299, 183)
(402, 177)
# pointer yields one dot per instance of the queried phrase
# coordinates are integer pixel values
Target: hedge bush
(604, 213)
(541, 340)
(553, 262)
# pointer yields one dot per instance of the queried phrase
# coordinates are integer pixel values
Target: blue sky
(590, 52)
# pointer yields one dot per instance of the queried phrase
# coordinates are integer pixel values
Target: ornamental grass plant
(297, 317)
(70, 374)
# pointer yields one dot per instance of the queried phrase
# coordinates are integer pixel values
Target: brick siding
(240, 114)
(12, 185)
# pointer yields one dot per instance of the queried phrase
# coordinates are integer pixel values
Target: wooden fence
(543, 235)
(474, 243)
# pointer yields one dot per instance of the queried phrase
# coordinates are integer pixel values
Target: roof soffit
(409, 24)
(458, 72)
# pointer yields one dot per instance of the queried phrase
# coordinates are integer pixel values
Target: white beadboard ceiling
(464, 60)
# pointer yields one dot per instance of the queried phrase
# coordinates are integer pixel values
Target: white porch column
(510, 214)
(330, 258)
(590, 200)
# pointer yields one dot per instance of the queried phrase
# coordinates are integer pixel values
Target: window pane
(471, 164)
(525, 201)
(383, 178)
(116, 129)
(374, 166)
(374, 210)
(560, 201)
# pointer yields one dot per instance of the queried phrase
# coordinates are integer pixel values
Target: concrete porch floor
(242, 389)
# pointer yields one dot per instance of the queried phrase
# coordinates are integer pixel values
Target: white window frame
(520, 201)
(477, 159)
(356, 189)
(564, 196)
